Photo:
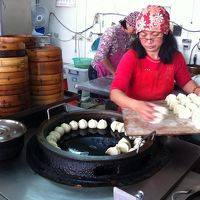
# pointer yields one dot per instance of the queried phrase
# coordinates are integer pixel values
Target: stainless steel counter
(99, 86)
(19, 182)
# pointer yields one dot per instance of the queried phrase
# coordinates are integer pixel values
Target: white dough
(196, 119)
(123, 147)
(169, 98)
(102, 124)
(60, 130)
(124, 140)
(172, 103)
(51, 138)
(67, 127)
(120, 127)
(113, 125)
(196, 100)
(161, 109)
(191, 96)
(74, 125)
(56, 134)
(184, 113)
(113, 151)
(53, 143)
(82, 124)
(177, 108)
(92, 123)
(191, 106)
(181, 96)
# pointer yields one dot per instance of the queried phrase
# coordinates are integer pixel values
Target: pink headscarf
(131, 18)
(153, 18)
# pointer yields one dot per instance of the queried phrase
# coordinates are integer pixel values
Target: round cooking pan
(64, 166)
(11, 138)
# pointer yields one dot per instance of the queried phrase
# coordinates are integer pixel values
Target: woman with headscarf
(148, 70)
(114, 42)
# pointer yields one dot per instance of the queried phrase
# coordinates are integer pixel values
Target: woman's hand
(145, 110)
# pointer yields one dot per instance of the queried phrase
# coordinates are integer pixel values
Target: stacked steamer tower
(29, 75)
(46, 74)
(14, 75)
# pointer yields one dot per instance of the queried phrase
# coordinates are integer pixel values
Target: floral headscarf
(131, 18)
(153, 18)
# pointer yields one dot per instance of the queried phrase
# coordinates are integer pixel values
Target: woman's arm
(108, 66)
(191, 87)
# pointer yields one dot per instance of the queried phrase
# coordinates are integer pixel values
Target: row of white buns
(185, 107)
(54, 136)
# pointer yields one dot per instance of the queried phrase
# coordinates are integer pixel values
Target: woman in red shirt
(147, 71)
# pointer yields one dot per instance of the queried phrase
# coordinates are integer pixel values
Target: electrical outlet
(56, 35)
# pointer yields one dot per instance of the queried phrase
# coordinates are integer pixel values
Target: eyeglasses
(152, 36)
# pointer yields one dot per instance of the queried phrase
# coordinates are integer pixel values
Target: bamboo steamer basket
(45, 68)
(14, 85)
(46, 74)
(44, 54)
(28, 40)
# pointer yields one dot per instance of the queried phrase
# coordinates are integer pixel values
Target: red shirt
(149, 79)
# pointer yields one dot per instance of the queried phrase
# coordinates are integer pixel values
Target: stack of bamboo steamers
(29, 75)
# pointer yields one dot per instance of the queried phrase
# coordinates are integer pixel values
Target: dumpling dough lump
(92, 123)
(82, 124)
(67, 127)
(74, 125)
(102, 124)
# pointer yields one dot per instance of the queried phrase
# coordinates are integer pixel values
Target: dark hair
(123, 23)
(167, 49)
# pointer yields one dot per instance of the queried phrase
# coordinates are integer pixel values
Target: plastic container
(82, 63)
(75, 75)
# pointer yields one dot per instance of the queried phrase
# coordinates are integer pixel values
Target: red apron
(114, 60)
(152, 83)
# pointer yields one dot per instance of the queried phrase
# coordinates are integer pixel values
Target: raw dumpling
(191, 96)
(177, 108)
(124, 140)
(56, 134)
(74, 125)
(60, 130)
(82, 124)
(92, 123)
(123, 147)
(113, 125)
(53, 143)
(113, 151)
(184, 113)
(191, 106)
(120, 127)
(196, 119)
(102, 124)
(67, 127)
(169, 98)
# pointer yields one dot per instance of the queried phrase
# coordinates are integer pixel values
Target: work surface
(171, 125)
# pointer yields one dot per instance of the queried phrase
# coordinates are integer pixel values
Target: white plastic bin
(75, 75)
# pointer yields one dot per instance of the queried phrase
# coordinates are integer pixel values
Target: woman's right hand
(145, 110)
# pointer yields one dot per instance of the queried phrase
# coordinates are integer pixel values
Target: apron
(114, 60)
(152, 84)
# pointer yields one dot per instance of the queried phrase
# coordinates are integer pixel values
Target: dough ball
(196, 119)
(191, 106)
(181, 96)
(123, 147)
(172, 103)
(196, 100)
(92, 123)
(191, 96)
(177, 108)
(82, 124)
(120, 127)
(102, 124)
(185, 100)
(51, 138)
(112, 151)
(60, 130)
(67, 127)
(53, 143)
(124, 140)
(184, 113)
(113, 125)
(56, 134)
(161, 110)
(170, 97)
(74, 125)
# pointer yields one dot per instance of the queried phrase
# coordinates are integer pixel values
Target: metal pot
(11, 138)
(90, 170)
